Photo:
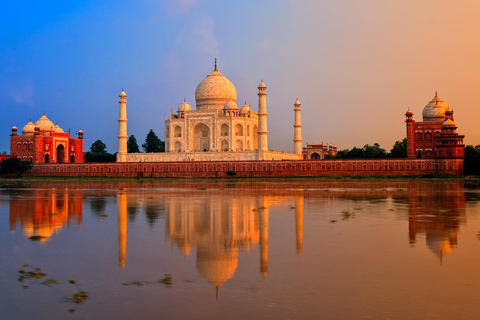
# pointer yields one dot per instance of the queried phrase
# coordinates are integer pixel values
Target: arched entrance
(47, 158)
(60, 154)
(72, 159)
(201, 138)
(315, 156)
(419, 154)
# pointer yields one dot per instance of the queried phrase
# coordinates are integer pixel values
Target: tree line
(98, 150)
(399, 150)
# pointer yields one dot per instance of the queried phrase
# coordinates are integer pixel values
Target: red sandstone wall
(298, 168)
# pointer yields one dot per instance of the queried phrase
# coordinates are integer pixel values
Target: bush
(231, 173)
(14, 167)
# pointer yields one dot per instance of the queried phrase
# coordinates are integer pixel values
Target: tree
(14, 167)
(399, 149)
(98, 147)
(472, 160)
(153, 143)
(132, 146)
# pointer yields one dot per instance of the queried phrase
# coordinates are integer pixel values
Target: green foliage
(329, 157)
(472, 160)
(98, 147)
(153, 143)
(14, 167)
(231, 173)
(132, 146)
(100, 157)
(399, 149)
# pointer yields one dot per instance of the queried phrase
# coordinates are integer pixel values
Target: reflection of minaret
(299, 223)
(122, 227)
(264, 240)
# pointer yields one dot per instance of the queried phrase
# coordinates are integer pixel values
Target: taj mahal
(217, 130)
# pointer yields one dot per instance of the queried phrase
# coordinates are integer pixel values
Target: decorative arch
(72, 158)
(178, 146)
(239, 130)
(418, 135)
(419, 154)
(224, 130)
(224, 145)
(248, 145)
(201, 138)
(428, 136)
(178, 131)
(239, 145)
(47, 158)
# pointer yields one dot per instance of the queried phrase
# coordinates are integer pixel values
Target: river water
(274, 249)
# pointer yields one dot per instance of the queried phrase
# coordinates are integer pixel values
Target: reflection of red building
(45, 212)
(435, 136)
(44, 142)
(438, 214)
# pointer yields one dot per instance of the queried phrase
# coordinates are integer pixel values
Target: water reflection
(44, 212)
(217, 219)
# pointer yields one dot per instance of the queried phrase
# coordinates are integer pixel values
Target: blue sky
(356, 66)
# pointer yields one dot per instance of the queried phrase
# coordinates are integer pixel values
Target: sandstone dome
(435, 110)
(244, 109)
(230, 105)
(448, 123)
(28, 129)
(184, 107)
(214, 91)
(57, 129)
(44, 124)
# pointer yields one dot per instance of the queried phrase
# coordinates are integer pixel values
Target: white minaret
(262, 118)
(297, 129)
(122, 129)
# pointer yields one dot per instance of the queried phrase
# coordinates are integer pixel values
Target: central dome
(435, 110)
(214, 91)
(44, 123)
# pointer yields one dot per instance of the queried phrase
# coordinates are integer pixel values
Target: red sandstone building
(318, 151)
(435, 137)
(44, 142)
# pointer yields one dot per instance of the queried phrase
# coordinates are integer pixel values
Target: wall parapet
(285, 168)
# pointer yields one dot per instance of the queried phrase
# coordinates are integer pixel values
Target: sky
(356, 66)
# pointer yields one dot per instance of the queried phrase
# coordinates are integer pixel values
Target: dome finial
(184, 100)
(215, 64)
(435, 93)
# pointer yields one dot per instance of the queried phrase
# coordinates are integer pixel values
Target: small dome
(297, 103)
(409, 112)
(29, 128)
(44, 124)
(244, 109)
(262, 85)
(123, 94)
(230, 105)
(81, 131)
(57, 129)
(14, 128)
(435, 110)
(184, 107)
(448, 123)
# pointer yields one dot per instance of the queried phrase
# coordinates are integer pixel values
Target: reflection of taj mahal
(216, 130)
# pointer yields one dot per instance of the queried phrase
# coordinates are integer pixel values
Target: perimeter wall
(288, 168)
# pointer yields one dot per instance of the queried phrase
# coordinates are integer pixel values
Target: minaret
(262, 118)
(410, 134)
(122, 128)
(122, 227)
(297, 129)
